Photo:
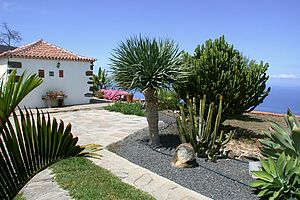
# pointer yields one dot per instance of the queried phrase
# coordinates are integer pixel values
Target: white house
(61, 70)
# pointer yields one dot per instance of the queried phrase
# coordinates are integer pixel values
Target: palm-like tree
(28, 143)
(147, 65)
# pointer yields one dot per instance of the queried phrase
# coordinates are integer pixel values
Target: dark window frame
(41, 73)
(60, 73)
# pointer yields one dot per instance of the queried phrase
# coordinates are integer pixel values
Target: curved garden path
(95, 125)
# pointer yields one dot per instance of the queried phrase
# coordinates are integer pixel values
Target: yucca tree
(28, 144)
(146, 65)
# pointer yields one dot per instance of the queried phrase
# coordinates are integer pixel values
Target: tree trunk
(152, 115)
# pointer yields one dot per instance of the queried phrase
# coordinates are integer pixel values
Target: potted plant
(54, 98)
(129, 97)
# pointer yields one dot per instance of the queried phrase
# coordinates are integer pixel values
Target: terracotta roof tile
(44, 50)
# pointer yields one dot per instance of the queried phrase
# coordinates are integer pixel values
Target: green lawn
(85, 180)
(19, 197)
(126, 108)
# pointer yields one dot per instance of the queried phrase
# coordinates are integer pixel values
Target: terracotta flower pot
(129, 97)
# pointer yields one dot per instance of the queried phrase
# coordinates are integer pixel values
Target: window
(13, 64)
(41, 73)
(51, 73)
(61, 73)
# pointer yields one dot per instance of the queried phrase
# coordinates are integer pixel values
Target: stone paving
(94, 125)
(42, 187)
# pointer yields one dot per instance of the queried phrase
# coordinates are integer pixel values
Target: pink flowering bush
(114, 95)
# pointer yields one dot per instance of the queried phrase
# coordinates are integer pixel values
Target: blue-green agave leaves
(281, 140)
(278, 179)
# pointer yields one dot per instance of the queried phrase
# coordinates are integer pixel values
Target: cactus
(217, 68)
(199, 129)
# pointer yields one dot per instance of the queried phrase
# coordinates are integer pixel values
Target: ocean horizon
(284, 94)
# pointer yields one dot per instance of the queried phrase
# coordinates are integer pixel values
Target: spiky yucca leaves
(146, 65)
(201, 129)
(281, 140)
(28, 146)
(216, 68)
(278, 179)
(142, 63)
(12, 92)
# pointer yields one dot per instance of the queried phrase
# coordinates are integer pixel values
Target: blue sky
(265, 30)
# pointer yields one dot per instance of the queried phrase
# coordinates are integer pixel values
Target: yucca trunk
(152, 115)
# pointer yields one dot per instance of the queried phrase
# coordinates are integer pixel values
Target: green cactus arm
(229, 137)
(180, 130)
(217, 122)
(201, 125)
(207, 130)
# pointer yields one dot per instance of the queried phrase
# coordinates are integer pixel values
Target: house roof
(4, 48)
(44, 50)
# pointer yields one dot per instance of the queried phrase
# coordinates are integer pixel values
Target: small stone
(184, 156)
(231, 154)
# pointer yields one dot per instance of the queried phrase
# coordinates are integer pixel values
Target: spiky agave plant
(278, 179)
(281, 140)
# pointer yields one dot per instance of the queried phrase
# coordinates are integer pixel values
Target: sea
(284, 94)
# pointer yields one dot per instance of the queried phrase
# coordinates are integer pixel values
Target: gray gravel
(224, 179)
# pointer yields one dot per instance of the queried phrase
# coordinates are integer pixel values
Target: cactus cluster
(217, 68)
(201, 130)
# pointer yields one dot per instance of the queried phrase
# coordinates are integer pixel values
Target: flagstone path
(94, 125)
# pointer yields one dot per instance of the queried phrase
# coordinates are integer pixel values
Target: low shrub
(134, 108)
(98, 94)
(168, 99)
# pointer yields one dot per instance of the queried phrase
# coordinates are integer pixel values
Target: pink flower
(114, 95)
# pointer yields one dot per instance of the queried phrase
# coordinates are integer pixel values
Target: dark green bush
(168, 99)
(134, 108)
(215, 69)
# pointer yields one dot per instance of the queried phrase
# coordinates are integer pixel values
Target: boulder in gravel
(184, 156)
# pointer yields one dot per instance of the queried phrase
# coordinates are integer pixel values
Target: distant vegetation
(168, 99)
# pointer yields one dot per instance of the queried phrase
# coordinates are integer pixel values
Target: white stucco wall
(3, 69)
(73, 84)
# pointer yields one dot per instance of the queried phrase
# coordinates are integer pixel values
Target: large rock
(184, 156)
